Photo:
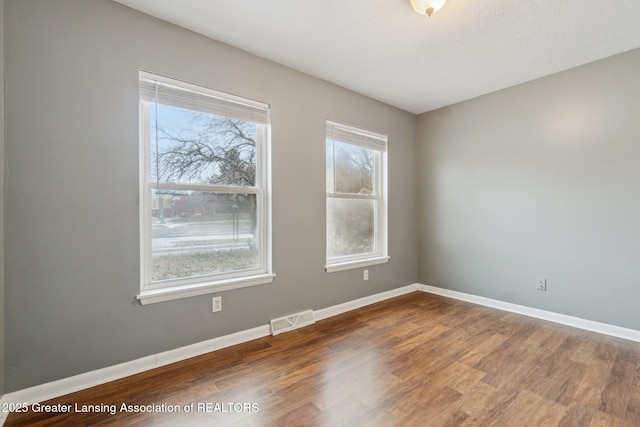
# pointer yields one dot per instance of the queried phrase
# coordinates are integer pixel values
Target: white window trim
(166, 290)
(350, 265)
(176, 292)
(381, 227)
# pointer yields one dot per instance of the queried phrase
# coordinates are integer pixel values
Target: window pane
(353, 168)
(196, 233)
(198, 148)
(350, 227)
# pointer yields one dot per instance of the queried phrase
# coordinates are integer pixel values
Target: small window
(356, 180)
(205, 223)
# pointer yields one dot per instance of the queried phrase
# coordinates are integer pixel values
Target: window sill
(349, 265)
(177, 292)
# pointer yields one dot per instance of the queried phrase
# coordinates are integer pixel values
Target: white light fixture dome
(427, 7)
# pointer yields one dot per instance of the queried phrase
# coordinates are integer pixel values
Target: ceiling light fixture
(427, 7)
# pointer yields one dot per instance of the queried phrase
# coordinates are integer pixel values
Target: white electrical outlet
(541, 284)
(366, 275)
(216, 304)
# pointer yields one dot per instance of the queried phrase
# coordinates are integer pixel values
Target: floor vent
(294, 321)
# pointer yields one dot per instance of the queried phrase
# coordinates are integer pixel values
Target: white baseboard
(83, 381)
(576, 322)
(361, 302)
(86, 380)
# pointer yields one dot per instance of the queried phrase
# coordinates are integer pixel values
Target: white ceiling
(383, 49)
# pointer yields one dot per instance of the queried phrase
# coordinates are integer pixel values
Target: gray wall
(539, 180)
(1, 196)
(72, 197)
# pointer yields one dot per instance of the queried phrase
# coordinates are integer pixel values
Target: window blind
(349, 135)
(156, 89)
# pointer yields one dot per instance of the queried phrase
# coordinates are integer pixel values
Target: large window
(205, 223)
(356, 197)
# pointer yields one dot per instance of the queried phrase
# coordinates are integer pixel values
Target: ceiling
(383, 49)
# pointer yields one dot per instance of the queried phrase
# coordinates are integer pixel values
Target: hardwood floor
(415, 360)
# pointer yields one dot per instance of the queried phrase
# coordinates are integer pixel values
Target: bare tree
(211, 150)
(354, 169)
(350, 222)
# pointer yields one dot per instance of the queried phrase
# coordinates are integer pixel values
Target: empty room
(345, 212)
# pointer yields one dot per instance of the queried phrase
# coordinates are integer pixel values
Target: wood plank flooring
(415, 360)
